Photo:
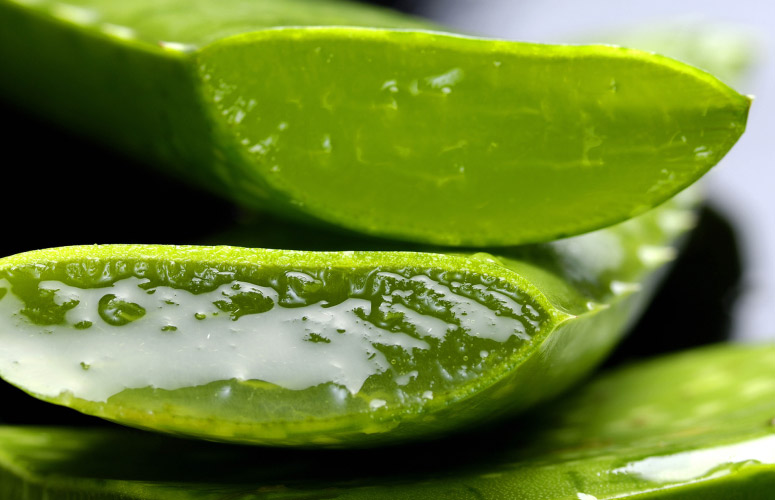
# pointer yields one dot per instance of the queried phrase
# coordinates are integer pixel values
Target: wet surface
(91, 194)
(619, 434)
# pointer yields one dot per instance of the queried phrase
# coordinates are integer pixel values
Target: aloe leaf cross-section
(330, 349)
(692, 426)
(368, 120)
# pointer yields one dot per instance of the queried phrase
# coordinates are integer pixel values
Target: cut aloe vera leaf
(321, 348)
(404, 133)
(697, 425)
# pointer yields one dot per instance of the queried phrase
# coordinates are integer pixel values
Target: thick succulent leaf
(407, 133)
(315, 348)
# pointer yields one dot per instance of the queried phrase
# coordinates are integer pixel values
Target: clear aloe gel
(690, 426)
(305, 348)
(364, 119)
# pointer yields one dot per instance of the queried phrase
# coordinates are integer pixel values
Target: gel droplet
(118, 312)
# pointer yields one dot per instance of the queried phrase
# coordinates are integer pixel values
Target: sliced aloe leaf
(321, 348)
(696, 425)
(406, 133)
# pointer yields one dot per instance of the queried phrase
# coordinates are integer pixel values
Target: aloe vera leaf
(321, 348)
(405, 133)
(696, 425)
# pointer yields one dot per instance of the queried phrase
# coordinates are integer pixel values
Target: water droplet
(377, 403)
(391, 86)
(82, 325)
(85, 365)
(238, 116)
(117, 312)
(176, 46)
(73, 14)
(622, 287)
(169, 328)
(652, 256)
(200, 316)
(445, 80)
(486, 257)
(117, 31)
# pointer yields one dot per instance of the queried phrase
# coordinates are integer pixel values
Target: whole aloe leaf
(391, 129)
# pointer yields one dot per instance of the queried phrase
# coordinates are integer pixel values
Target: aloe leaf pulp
(310, 348)
(372, 123)
(696, 425)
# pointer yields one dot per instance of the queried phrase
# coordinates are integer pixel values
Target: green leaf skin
(329, 349)
(390, 130)
(691, 426)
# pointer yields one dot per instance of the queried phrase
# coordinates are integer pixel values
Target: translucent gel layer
(384, 335)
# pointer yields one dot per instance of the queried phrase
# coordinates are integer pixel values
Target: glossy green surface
(405, 133)
(330, 349)
(696, 425)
